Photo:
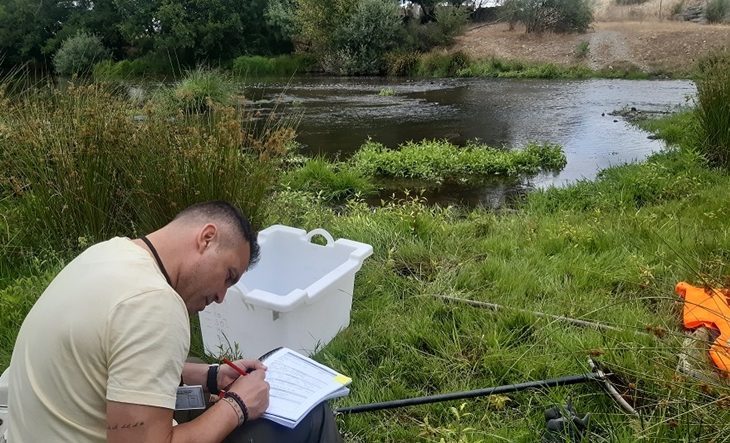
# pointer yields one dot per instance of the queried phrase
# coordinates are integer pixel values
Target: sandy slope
(620, 36)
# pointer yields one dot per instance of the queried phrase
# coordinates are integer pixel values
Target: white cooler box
(299, 295)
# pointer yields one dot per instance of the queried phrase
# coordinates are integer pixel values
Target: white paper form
(298, 384)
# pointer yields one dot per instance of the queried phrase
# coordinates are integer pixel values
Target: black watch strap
(213, 379)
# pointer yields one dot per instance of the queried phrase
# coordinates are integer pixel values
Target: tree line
(346, 36)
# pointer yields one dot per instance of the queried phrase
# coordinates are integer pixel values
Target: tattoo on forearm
(124, 426)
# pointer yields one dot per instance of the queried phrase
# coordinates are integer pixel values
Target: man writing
(102, 352)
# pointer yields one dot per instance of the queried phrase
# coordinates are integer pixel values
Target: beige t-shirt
(108, 327)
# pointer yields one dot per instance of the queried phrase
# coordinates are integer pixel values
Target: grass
(442, 162)
(387, 92)
(283, 65)
(608, 250)
(332, 182)
(582, 48)
(83, 163)
(713, 107)
(458, 64)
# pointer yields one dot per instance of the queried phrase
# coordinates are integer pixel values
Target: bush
(713, 107)
(562, 16)
(449, 23)
(78, 54)
(716, 10)
(370, 32)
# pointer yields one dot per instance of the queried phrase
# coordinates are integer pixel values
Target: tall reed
(81, 164)
(713, 107)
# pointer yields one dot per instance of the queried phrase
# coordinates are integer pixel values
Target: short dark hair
(225, 212)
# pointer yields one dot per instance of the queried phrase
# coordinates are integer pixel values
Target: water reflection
(340, 114)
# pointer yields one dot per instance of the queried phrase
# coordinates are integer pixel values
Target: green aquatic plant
(441, 161)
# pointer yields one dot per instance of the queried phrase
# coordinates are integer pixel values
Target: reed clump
(713, 107)
(81, 164)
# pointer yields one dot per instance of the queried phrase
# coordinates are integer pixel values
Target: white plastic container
(4, 416)
(299, 295)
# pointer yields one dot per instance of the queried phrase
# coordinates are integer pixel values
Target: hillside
(621, 37)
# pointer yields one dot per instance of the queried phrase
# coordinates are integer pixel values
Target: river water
(339, 114)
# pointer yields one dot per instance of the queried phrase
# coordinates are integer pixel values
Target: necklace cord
(157, 259)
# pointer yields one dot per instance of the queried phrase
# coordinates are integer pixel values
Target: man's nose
(220, 296)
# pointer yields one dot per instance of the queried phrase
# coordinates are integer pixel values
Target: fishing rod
(550, 383)
(597, 374)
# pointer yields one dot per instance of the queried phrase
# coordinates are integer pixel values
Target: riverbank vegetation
(275, 37)
(82, 164)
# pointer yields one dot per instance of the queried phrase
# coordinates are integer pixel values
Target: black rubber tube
(553, 382)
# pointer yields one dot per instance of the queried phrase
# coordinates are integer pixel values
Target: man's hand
(254, 391)
(227, 375)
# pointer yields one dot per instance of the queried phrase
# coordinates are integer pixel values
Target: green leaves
(441, 161)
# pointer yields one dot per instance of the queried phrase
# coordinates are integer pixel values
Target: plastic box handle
(323, 233)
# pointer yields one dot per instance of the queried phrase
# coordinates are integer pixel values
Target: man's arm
(128, 422)
(197, 373)
(150, 424)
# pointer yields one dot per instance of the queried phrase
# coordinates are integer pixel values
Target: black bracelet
(213, 379)
(241, 404)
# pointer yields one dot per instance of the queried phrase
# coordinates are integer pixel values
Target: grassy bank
(609, 250)
(438, 63)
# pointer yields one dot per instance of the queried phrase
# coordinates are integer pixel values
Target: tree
(366, 37)
(563, 16)
(25, 26)
(101, 19)
(78, 54)
(320, 20)
(281, 16)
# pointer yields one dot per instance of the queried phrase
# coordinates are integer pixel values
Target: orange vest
(709, 308)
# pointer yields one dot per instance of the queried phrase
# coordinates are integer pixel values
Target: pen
(239, 370)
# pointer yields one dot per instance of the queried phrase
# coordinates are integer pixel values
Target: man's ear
(206, 237)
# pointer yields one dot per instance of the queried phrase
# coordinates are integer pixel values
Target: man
(102, 352)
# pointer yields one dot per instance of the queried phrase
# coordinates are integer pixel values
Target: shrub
(713, 107)
(716, 10)
(365, 38)
(562, 16)
(78, 54)
(581, 49)
(449, 23)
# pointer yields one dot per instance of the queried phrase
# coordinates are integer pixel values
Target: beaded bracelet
(241, 405)
(236, 409)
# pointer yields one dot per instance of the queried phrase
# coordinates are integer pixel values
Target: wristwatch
(213, 379)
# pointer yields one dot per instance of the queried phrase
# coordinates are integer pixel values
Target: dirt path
(653, 46)
(609, 46)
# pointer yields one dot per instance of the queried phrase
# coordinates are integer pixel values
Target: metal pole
(562, 381)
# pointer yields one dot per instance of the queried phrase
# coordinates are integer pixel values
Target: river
(339, 114)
